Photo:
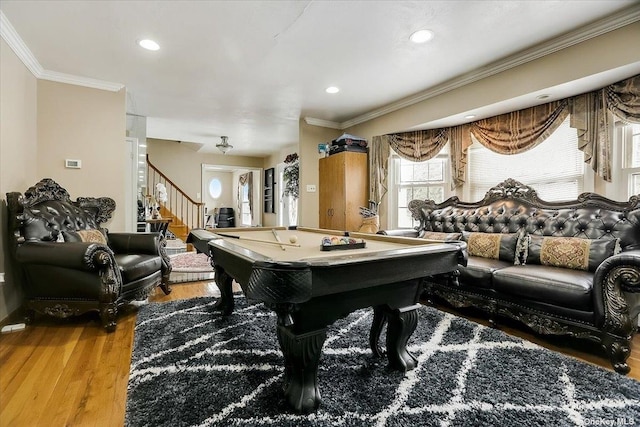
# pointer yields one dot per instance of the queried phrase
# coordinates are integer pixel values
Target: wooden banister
(186, 212)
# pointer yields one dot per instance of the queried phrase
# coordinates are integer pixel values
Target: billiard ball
(293, 238)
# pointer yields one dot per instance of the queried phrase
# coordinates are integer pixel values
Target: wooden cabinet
(342, 190)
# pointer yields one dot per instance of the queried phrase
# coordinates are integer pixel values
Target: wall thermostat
(72, 164)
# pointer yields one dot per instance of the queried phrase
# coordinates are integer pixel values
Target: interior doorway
(288, 206)
(225, 187)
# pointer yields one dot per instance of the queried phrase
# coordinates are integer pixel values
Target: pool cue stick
(248, 239)
(275, 233)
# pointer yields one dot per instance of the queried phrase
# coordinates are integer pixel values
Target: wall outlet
(13, 328)
(1, 277)
(311, 188)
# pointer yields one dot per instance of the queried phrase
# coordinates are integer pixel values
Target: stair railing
(184, 210)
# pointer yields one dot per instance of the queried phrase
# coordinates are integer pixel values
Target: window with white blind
(555, 168)
(417, 180)
(631, 158)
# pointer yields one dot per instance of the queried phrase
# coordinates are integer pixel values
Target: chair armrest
(75, 255)
(402, 232)
(135, 243)
(615, 277)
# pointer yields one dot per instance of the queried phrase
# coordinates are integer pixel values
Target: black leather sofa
(68, 265)
(569, 268)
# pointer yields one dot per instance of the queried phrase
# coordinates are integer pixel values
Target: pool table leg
(225, 303)
(301, 357)
(379, 320)
(402, 323)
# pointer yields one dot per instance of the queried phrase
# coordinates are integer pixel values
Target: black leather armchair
(68, 265)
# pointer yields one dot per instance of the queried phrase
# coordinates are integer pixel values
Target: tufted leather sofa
(599, 303)
(64, 273)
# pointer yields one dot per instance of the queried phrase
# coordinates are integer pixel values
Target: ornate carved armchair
(68, 265)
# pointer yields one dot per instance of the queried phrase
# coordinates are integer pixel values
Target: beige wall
(18, 154)
(76, 122)
(310, 137)
(183, 165)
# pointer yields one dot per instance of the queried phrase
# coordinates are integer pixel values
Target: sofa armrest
(616, 276)
(144, 243)
(402, 232)
(74, 255)
(135, 243)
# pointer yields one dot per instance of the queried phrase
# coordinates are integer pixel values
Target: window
(555, 168)
(631, 158)
(417, 180)
(245, 208)
(215, 188)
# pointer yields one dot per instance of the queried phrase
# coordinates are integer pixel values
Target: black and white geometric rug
(190, 367)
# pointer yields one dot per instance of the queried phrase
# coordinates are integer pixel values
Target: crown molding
(22, 51)
(603, 26)
(80, 81)
(10, 35)
(323, 123)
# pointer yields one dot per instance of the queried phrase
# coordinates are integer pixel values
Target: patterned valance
(623, 99)
(419, 146)
(521, 130)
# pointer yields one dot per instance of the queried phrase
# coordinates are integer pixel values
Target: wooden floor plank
(74, 373)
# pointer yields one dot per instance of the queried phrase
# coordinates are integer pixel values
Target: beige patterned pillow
(485, 245)
(436, 235)
(91, 235)
(569, 252)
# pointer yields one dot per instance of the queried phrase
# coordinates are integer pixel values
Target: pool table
(309, 289)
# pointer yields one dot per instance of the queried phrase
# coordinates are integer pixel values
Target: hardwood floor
(73, 373)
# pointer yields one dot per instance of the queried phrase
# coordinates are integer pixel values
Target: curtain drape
(459, 143)
(246, 178)
(419, 146)
(590, 118)
(521, 130)
(379, 152)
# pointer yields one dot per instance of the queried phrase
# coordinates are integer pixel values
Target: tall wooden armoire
(343, 189)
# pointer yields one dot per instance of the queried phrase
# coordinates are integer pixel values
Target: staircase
(185, 213)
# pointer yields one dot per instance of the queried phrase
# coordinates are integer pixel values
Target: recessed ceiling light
(470, 116)
(421, 36)
(543, 96)
(332, 89)
(149, 44)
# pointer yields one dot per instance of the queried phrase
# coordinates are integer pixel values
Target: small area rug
(189, 267)
(191, 367)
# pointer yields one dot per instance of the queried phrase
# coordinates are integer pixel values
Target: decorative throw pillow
(569, 252)
(492, 245)
(436, 235)
(91, 235)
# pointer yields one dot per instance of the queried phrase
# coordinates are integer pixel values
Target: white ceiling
(251, 69)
